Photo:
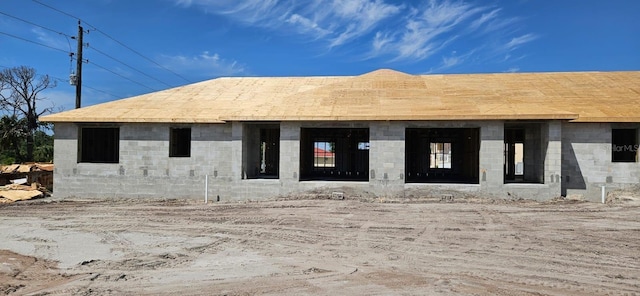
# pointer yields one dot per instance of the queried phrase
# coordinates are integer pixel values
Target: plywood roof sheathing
(383, 95)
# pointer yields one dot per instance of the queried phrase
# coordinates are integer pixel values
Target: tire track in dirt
(342, 247)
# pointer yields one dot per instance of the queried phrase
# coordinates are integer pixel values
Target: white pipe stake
(603, 193)
(206, 188)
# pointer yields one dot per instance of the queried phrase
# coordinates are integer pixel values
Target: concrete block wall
(586, 160)
(289, 171)
(65, 158)
(237, 168)
(386, 158)
(577, 160)
(548, 149)
(289, 155)
(553, 158)
(546, 177)
(492, 157)
(145, 168)
(431, 189)
(290, 158)
(240, 187)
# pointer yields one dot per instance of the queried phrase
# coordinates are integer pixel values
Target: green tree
(43, 151)
(13, 132)
(20, 90)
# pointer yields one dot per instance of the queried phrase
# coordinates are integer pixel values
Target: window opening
(99, 144)
(261, 151)
(180, 142)
(624, 145)
(269, 151)
(440, 155)
(324, 155)
(334, 154)
(519, 159)
(524, 153)
(514, 154)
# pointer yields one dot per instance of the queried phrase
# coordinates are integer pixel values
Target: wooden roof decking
(382, 95)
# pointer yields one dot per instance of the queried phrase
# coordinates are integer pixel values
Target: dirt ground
(314, 246)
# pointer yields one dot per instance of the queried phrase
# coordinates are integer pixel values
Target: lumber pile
(15, 192)
(15, 180)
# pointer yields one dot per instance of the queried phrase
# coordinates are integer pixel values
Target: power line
(44, 45)
(41, 44)
(115, 40)
(58, 10)
(34, 24)
(97, 50)
(39, 26)
(99, 90)
(125, 77)
(67, 81)
(83, 85)
(125, 64)
(34, 42)
(141, 55)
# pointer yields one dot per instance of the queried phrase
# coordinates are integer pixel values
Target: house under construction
(531, 135)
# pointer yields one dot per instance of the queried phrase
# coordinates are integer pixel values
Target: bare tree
(19, 93)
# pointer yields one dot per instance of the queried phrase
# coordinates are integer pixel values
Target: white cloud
(55, 41)
(454, 59)
(449, 62)
(361, 16)
(307, 25)
(204, 63)
(520, 40)
(430, 29)
(502, 24)
(417, 41)
(448, 13)
(486, 17)
(262, 13)
(390, 30)
(380, 41)
(339, 21)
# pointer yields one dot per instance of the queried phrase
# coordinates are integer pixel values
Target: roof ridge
(385, 72)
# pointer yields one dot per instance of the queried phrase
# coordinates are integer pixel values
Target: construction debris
(15, 177)
(41, 173)
(15, 192)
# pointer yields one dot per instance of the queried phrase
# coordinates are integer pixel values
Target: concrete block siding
(145, 168)
(576, 156)
(586, 160)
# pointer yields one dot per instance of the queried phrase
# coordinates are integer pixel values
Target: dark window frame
(350, 163)
(324, 155)
(180, 142)
(99, 144)
(261, 150)
(438, 149)
(513, 136)
(269, 152)
(624, 145)
(531, 137)
(465, 155)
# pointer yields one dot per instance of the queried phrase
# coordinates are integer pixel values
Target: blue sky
(194, 40)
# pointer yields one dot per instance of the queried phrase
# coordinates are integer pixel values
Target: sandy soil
(327, 247)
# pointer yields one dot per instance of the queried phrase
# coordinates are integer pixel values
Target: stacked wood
(14, 180)
(15, 192)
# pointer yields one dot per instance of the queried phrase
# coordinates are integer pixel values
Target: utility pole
(79, 68)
